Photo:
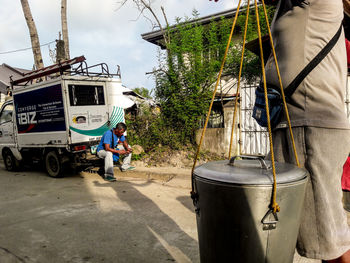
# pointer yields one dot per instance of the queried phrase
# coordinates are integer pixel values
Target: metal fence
(254, 140)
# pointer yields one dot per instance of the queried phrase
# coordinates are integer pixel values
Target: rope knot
(276, 208)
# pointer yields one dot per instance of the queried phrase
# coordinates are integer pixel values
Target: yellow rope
(274, 204)
(216, 87)
(239, 79)
(281, 86)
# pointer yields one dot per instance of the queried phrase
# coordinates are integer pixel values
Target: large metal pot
(233, 218)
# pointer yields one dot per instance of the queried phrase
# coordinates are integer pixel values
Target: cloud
(97, 31)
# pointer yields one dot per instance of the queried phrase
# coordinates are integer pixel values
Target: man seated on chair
(107, 150)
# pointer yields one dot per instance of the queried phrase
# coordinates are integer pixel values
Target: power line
(23, 49)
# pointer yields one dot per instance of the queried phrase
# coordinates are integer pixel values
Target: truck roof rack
(65, 68)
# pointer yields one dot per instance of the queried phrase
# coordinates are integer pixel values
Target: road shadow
(39, 168)
(186, 201)
(161, 236)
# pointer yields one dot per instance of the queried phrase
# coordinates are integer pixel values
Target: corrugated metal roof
(6, 71)
(155, 37)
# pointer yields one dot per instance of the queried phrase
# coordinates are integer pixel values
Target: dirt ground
(166, 157)
(82, 218)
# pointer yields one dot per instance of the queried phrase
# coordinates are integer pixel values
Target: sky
(98, 30)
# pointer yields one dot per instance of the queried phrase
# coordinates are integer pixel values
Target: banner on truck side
(40, 110)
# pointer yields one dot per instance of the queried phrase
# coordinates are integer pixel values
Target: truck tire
(11, 163)
(53, 164)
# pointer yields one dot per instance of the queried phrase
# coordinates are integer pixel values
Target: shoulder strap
(312, 64)
(112, 139)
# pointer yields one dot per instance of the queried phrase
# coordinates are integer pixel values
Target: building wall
(217, 140)
(249, 138)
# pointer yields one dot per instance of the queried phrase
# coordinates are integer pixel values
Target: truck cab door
(6, 125)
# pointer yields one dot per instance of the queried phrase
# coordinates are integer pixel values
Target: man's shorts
(324, 232)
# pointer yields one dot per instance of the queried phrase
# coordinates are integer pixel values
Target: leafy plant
(188, 69)
(143, 92)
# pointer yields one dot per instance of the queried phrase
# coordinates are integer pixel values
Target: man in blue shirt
(108, 151)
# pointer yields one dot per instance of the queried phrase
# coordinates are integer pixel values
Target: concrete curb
(164, 174)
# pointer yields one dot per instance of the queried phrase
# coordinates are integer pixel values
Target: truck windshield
(6, 114)
(86, 95)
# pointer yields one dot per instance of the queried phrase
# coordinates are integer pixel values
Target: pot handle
(269, 224)
(260, 159)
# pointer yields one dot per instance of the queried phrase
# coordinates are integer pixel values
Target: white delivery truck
(56, 121)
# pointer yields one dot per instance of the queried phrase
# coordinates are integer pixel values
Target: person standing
(300, 29)
(107, 150)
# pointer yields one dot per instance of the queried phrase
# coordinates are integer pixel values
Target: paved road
(85, 219)
(81, 218)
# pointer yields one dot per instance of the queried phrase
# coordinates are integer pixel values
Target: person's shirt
(299, 32)
(107, 139)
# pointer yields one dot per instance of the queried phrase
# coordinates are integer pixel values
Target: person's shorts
(324, 232)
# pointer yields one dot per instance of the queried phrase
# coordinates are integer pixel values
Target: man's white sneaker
(128, 169)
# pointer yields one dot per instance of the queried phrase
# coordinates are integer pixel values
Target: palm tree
(65, 28)
(38, 60)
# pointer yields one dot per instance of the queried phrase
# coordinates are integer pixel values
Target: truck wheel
(11, 163)
(53, 164)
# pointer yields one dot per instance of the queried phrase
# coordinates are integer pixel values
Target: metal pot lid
(249, 172)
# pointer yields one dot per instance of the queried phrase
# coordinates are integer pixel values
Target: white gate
(254, 140)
